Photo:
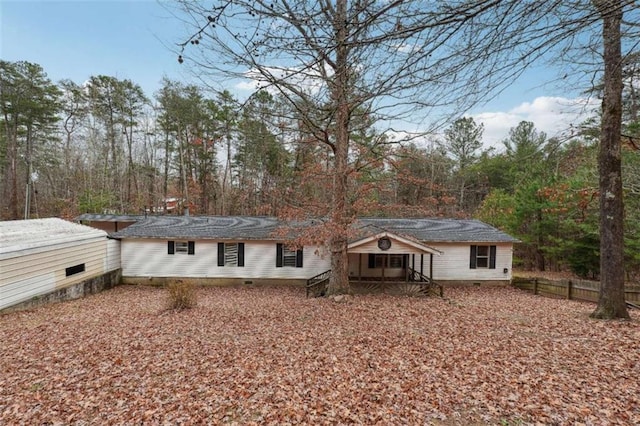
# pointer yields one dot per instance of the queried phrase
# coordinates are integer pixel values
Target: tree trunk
(226, 179)
(13, 174)
(611, 303)
(339, 281)
(165, 177)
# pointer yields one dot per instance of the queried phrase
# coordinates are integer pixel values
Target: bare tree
(335, 61)
(414, 61)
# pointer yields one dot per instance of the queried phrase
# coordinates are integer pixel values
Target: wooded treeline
(105, 146)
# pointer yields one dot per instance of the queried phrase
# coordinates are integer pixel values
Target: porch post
(431, 267)
(421, 263)
(406, 267)
(359, 267)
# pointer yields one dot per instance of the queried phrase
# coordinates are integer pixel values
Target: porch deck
(394, 287)
(415, 285)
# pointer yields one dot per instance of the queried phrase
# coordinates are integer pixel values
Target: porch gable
(390, 243)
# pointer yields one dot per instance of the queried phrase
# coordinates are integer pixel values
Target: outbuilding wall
(37, 272)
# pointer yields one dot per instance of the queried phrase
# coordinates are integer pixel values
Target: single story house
(237, 249)
(54, 258)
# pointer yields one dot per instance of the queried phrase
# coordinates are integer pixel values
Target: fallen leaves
(271, 356)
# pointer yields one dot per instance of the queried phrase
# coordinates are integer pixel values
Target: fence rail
(318, 285)
(571, 289)
(428, 285)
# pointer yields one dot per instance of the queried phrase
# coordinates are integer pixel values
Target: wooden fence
(571, 289)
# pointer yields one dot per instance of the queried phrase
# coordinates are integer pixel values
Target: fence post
(569, 290)
(535, 286)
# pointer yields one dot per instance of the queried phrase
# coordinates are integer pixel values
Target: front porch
(385, 263)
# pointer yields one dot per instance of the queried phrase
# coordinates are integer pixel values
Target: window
(287, 257)
(72, 270)
(379, 261)
(181, 247)
(483, 257)
(230, 254)
(396, 261)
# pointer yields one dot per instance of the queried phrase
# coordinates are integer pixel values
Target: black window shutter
(372, 260)
(191, 247)
(240, 254)
(220, 254)
(472, 258)
(298, 258)
(279, 254)
(171, 247)
(492, 257)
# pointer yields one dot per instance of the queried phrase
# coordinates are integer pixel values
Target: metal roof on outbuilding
(18, 236)
(264, 228)
(93, 217)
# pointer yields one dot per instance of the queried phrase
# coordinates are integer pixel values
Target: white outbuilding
(55, 259)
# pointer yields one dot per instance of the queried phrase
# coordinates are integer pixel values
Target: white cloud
(309, 81)
(556, 116)
(251, 85)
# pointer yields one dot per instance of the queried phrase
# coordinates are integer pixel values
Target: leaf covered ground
(270, 356)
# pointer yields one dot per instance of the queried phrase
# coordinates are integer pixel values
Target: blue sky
(132, 39)
(78, 39)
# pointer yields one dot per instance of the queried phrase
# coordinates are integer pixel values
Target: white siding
(397, 247)
(37, 273)
(112, 259)
(150, 258)
(20, 290)
(453, 264)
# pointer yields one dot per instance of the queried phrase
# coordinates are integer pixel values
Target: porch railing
(427, 285)
(318, 283)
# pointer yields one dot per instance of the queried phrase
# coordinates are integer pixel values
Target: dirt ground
(271, 356)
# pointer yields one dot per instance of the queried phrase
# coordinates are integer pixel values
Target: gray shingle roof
(202, 227)
(441, 230)
(264, 228)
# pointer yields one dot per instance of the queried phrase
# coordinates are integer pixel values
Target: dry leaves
(270, 356)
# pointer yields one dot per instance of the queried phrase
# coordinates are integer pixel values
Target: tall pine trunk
(611, 303)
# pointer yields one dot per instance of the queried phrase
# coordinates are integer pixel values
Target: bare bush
(182, 295)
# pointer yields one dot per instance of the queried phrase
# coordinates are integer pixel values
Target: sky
(136, 40)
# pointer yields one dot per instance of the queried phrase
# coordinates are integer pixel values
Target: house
(237, 250)
(54, 259)
(213, 249)
(460, 251)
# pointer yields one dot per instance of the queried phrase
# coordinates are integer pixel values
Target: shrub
(182, 295)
